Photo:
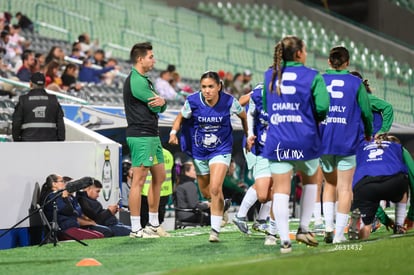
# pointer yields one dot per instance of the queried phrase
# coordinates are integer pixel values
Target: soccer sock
(153, 219)
(264, 211)
(328, 212)
(317, 212)
(341, 223)
(272, 227)
(135, 223)
(336, 207)
(400, 209)
(249, 199)
(281, 213)
(216, 222)
(307, 201)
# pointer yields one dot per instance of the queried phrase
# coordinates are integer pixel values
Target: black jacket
(38, 116)
(93, 210)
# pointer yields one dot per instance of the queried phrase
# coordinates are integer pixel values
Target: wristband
(173, 132)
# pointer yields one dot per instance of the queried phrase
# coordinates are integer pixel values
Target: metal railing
(152, 39)
(65, 32)
(93, 66)
(178, 29)
(103, 5)
(59, 95)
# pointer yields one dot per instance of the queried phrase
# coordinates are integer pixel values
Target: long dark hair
(285, 50)
(47, 188)
(365, 81)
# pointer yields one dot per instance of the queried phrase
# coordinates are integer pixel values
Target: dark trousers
(145, 209)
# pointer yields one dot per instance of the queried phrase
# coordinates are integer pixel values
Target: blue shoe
(241, 224)
(260, 226)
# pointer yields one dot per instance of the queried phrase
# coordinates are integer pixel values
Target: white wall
(22, 164)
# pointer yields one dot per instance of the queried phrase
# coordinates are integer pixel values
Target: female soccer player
(257, 121)
(207, 138)
(382, 173)
(296, 101)
(349, 119)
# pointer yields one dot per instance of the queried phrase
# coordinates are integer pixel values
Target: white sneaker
(161, 231)
(270, 240)
(285, 247)
(137, 234)
(214, 236)
(340, 239)
(150, 232)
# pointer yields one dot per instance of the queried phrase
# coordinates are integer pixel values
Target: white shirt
(164, 88)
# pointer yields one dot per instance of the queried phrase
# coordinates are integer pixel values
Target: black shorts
(369, 191)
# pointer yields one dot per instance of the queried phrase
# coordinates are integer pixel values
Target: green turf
(189, 252)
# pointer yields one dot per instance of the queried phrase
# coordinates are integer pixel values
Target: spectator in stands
(99, 58)
(171, 68)
(57, 54)
(69, 214)
(17, 39)
(69, 78)
(24, 22)
(53, 81)
(228, 82)
(5, 18)
(178, 85)
(93, 209)
(247, 82)
(237, 87)
(90, 75)
(221, 74)
(186, 196)
(110, 78)
(76, 51)
(39, 63)
(25, 71)
(86, 46)
(38, 115)
(163, 86)
(5, 88)
(12, 51)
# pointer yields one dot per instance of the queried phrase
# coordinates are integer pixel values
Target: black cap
(38, 79)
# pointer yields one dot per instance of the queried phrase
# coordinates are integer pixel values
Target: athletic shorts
(261, 168)
(145, 151)
(203, 166)
(369, 191)
(308, 167)
(330, 162)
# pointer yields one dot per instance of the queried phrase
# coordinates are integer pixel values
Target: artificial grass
(189, 252)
